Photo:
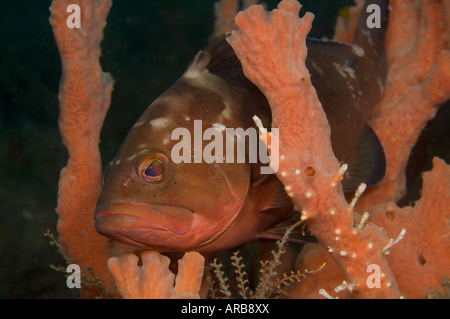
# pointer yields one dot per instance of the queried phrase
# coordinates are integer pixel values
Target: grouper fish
(151, 201)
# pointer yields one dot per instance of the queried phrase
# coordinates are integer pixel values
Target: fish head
(152, 201)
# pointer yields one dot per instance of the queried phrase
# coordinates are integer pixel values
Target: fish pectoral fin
(367, 164)
(299, 234)
(274, 194)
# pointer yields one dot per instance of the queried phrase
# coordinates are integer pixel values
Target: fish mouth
(142, 224)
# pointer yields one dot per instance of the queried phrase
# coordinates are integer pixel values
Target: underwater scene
(225, 149)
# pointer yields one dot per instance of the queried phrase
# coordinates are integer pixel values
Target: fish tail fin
(367, 164)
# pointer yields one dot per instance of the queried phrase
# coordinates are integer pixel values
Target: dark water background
(147, 46)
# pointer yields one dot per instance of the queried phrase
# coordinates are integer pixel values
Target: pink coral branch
(84, 96)
(272, 49)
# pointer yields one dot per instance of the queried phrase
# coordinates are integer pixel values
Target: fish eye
(153, 167)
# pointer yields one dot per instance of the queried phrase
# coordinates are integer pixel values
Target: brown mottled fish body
(151, 202)
(200, 200)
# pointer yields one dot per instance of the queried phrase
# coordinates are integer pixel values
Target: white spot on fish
(138, 124)
(132, 157)
(159, 123)
(166, 140)
(380, 85)
(358, 50)
(217, 85)
(165, 98)
(367, 34)
(197, 67)
(318, 69)
(344, 70)
(226, 114)
(219, 126)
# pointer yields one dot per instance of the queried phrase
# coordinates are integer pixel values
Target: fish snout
(144, 224)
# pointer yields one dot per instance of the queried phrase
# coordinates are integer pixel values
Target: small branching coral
(270, 283)
(153, 279)
(241, 275)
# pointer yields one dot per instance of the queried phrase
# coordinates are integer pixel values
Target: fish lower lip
(123, 217)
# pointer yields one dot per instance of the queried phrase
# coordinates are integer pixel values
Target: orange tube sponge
(281, 74)
(225, 12)
(154, 280)
(84, 96)
(345, 27)
(420, 262)
(422, 258)
(418, 82)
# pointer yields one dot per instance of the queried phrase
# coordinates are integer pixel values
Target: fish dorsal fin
(325, 48)
(216, 57)
(368, 162)
(299, 234)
